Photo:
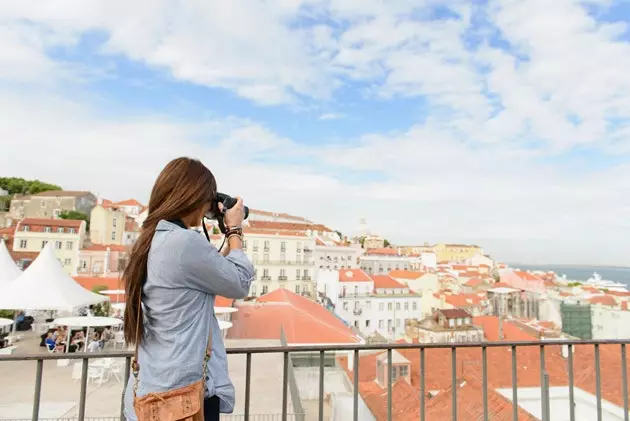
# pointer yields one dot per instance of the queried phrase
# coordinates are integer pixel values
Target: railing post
(321, 385)
(454, 382)
(598, 384)
(571, 390)
(248, 374)
(484, 380)
(624, 379)
(542, 380)
(390, 372)
(514, 385)
(38, 389)
(82, 397)
(285, 385)
(422, 385)
(355, 386)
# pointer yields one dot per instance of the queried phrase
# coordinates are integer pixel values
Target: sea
(583, 273)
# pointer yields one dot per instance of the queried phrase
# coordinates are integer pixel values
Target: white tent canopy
(46, 286)
(113, 291)
(8, 270)
(5, 322)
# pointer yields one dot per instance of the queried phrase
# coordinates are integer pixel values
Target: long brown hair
(183, 187)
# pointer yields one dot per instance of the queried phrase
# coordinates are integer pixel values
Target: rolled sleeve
(209, 271)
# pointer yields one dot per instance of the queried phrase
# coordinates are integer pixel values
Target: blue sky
(483, 122)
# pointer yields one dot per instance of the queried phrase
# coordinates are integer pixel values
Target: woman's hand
(234, 217)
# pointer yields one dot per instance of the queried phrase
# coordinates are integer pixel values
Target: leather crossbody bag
(182, 404)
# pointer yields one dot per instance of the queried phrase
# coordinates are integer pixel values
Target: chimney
(501, 328)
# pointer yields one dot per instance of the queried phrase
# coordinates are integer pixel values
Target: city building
(131, 232)
(511, 302)
(331, 254)
(260, 215)
(423, 284)
(130, 207)
(444, 326)
(373, 242)
(382, 261)
(50, 204)
(107, 260)
(455, 252)
(522, 280)
(376, 303)
(282, 259)
(476, 304)
(68, 236)
(107, 225)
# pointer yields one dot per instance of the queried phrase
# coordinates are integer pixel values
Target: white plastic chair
(97, 375)
(77, 371)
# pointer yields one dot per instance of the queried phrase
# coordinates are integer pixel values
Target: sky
(501, 123)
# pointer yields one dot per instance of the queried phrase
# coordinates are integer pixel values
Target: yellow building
(67, 235)
(107, 225)
(455, 252)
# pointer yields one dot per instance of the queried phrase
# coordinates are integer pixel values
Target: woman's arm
(207, 270)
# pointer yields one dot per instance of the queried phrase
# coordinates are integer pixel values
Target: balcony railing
(353, 354)
(282, 262)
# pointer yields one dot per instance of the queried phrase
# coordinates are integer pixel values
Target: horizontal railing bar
(318, 348)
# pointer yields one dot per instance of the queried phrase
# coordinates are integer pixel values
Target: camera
(228, 203)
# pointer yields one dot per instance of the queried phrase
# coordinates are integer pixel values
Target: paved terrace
(60, 393)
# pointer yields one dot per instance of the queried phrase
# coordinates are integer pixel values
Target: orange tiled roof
(490, 325)
(268, 225)
(129, 202)
(302, 320)
(385, 281)
(353, 275)
(606, 300)
(406, 274)
(220, 301)
(526, 275)
(381, 252)
(89, 282)
(464, 300)
(291, 233)
(39, 224)
(474, 282)
(278, 215)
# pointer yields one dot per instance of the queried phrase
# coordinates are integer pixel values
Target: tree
(21, 186)
(215, 231)
(76, 215)
(386, 243)
(103, 309)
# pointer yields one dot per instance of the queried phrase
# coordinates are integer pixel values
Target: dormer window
(47, 229)
(26, 228)
(401, 368)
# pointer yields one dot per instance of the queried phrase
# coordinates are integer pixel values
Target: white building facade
(384, 264)
(376, 303)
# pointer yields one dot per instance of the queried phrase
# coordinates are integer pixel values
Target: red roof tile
(526, 276)
(381, 252)
(464, 300)
(474, 282)
(220, 301)
(128, 202)
(353, 275)
(490, 325)
(385, 281)
(89, 282)
(606, 300)
(39, 224)
(268, 225)
(302, 320)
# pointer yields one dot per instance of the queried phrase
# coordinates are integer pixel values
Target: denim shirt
(184, 274)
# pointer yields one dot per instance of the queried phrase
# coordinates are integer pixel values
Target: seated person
(50, 342)
(95, 344)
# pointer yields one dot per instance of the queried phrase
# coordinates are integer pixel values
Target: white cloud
(468, 172)
(331, 116)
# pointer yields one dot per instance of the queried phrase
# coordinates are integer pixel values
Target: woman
(177, 273)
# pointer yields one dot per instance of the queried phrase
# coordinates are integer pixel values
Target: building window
(58, 245)
(44, 243)
(283, 274)
(390, 306)
(397, 306)
(414, 306)
(299, 248)
(245, 247)
(345, 305)
(60, 230)
(266, 258)
(297, 274)
(23, 244)
(381, 324)
(297, 288)
(266, 245)
(26, 228)
(283, 247)
(252, 290)
(381, 306)
(47, 229)
(114, 223)
(69, 245)
(73, 231)
(265, 273)
(306, 277)
(113, 235)
(67, 262)
(406, 305)
(389, 324)
(42, 203)
(255, 245)
(368, 305)
(367, 323)
(356, 324)
(264, 289)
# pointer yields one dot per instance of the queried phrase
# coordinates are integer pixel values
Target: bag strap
(136, 366)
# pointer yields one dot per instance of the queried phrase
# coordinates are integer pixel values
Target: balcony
(282, 262)
(473, 383)
(357, 311)
(306, 278)
(265, 278)
(282, 278)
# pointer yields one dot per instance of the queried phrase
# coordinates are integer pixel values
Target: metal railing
(355, 350)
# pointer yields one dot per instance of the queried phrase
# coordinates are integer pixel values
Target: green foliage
(21, 186)
(386, 243)
(7, 314)
(215, 231)
(103, 309)
(74, 215)
(574, 284)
